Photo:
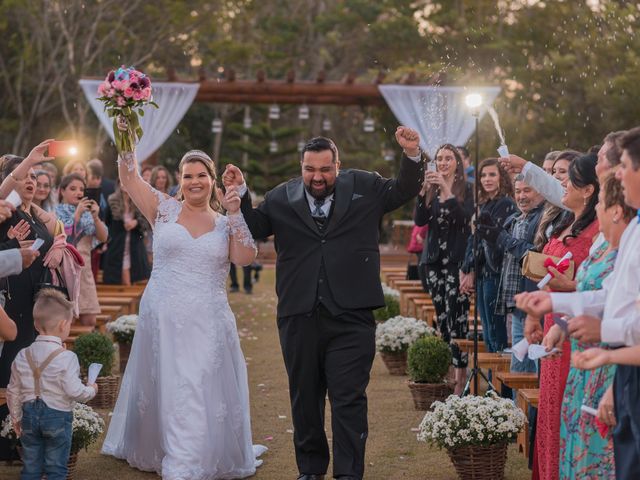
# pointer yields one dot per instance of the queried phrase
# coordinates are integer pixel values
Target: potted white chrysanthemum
(87, 427)
(395, 336)
(123, 330)
(475, 432)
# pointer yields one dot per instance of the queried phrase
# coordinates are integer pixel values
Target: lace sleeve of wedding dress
(240, 231)
(168, 207)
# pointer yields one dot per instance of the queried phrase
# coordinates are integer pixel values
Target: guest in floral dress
(575, 234)
(446, 205)
(584, 452)
(85, 230)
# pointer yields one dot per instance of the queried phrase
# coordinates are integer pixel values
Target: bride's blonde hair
(193, 156)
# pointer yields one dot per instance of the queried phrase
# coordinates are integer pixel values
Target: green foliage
(390, 310)
(95, 348)
(428, 360)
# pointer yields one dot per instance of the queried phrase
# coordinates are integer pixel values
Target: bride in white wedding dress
(183, 408)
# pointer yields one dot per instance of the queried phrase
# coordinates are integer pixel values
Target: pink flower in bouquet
(121, 101)
(138, 95)
(111, 92)
(146, 93)
(104, 88)
(128, 92)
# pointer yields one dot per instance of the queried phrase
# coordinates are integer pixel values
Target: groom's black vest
(340, 261)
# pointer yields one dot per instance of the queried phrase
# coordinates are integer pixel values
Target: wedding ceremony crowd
(575, 217)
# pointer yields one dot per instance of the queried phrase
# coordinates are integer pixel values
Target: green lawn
(393, 451)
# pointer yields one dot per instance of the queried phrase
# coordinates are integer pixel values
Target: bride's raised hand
(232, 176)
(230, 200)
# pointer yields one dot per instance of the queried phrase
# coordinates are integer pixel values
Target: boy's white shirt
(615, 303)
(60, 385)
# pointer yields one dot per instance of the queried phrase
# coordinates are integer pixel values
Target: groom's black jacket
(348, 244)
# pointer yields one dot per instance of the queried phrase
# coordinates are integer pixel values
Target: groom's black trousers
(326, 353)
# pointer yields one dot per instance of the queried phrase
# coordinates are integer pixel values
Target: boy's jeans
(46, 441)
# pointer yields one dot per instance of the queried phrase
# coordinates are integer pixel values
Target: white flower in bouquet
(398, 333)
(460, 422)
(387, 290)
(123, 328)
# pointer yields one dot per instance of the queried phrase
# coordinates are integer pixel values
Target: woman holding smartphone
(85, 230)
(446, 205)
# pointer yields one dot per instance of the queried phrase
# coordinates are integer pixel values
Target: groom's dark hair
(321, 144)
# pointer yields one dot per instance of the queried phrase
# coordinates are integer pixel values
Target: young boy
(45, 383)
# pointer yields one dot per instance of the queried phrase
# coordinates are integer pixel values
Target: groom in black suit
(326, 227)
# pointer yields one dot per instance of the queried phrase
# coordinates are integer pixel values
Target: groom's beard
(321, 191)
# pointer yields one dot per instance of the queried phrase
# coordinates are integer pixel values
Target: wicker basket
(479, 462)
(396, 362)
(71, 465)
(424, 394)
(124, 349)
(107, 392)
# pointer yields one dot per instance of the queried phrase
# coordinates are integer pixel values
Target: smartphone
(93, 194)
(63, 148)
(431, 167)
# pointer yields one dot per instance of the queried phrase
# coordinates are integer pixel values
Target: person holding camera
(84, 230)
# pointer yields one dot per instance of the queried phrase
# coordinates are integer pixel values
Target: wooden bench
(467, 345)
(516, 380)
(129, 305)
(407, 296)
(112, 310)
(525, 398)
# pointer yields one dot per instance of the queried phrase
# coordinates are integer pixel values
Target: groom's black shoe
(306, 476)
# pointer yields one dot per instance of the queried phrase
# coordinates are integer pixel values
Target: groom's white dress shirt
(615, 303)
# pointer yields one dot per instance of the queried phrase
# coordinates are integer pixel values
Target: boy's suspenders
(37, 371)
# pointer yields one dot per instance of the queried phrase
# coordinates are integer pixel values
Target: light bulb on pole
(473, 101)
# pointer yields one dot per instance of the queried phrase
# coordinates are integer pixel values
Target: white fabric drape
(157, 124)
(439, 114)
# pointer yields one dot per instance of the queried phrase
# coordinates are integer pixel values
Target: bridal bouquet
(124, 92)
(87, 426)
(123, 328)
(398, 333)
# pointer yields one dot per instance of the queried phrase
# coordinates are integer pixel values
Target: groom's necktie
(318, 214)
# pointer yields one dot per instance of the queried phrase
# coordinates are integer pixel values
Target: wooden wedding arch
(349, 91)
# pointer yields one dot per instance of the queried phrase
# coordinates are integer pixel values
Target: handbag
(534, 269)
(47, 280)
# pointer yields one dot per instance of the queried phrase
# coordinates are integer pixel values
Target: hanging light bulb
(326, 125)
(216, 125)
(369, 125)
(301, 145)
(274, 112)
(273, 147)
(303, 113)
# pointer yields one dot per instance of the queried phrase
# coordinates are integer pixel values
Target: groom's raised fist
(232, 176)
(409, 140)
